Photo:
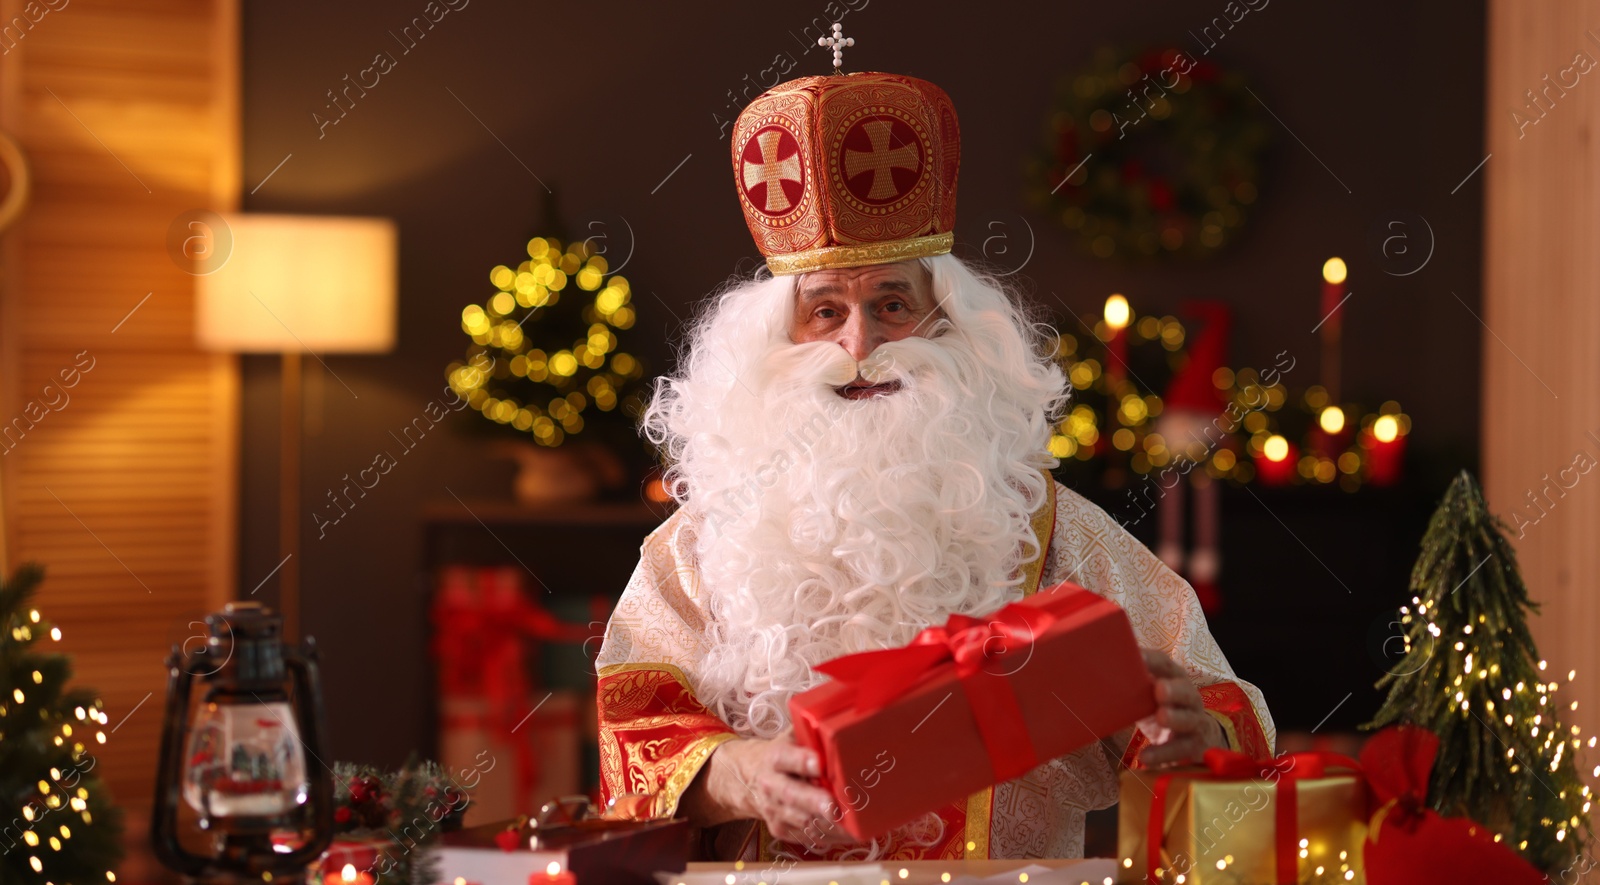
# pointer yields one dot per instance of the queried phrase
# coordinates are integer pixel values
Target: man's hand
(1180, 709)
(767, 780)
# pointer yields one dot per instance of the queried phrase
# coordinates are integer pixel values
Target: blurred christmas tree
(62, 826)
(1471, 675)
(545, 359)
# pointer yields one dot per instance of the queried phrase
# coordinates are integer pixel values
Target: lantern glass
(245, 760)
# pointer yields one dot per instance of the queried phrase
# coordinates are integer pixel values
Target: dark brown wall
(604, 100)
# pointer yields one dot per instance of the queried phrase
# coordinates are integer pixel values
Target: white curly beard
(829, 525)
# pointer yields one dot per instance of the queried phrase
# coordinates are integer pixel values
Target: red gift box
(970, 704)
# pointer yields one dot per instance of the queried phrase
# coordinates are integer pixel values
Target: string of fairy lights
(1342, 445)
(53, 790)
(1555, 743)
(1311, 873)
(547, 387)
(739, 876)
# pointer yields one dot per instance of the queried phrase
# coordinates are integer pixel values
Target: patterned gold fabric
(655, 736)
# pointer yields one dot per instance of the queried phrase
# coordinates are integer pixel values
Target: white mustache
(824, 363)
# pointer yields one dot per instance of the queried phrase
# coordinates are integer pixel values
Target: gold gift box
(1223, 832)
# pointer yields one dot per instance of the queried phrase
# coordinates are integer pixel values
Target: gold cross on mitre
(837, 43)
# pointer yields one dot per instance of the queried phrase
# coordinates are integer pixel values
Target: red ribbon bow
(1407, 841)
(880, 677)
(1284, 772)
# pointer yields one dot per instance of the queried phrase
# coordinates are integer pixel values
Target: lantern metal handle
(302, 665)
(169, 771)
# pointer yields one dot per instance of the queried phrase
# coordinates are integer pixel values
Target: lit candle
(553, 875)
(1332, 433)
(1117, 315)
(1277, 462)
(1332, 420)
(1333, 295)
(350, 862)
(1385, 445)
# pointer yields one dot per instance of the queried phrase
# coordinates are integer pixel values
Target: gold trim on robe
(654, 737)
(980, 805)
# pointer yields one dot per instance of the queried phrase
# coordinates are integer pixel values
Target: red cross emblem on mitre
(848, 169)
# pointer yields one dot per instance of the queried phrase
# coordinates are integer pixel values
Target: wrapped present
(970, 704)
(486, 630)
(511, 772)
(1299, 818)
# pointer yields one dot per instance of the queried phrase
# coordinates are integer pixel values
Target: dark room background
(1377, 114)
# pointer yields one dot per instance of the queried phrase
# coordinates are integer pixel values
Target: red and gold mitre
(848, 169)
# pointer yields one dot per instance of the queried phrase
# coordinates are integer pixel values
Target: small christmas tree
(57, 823)
(1472, 675)
(546, 359)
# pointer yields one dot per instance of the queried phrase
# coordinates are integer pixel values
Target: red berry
(508, 840)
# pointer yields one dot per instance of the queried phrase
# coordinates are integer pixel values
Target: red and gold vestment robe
(655, 735)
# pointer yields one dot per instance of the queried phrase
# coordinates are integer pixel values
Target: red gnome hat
(1190, 410)
(1191, 388)
(1408, 842)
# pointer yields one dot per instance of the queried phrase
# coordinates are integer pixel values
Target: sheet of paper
(1095, 871)
(1091, 871)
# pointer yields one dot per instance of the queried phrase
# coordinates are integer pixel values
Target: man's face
(860, 308)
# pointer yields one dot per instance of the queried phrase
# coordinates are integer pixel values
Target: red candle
(350, 861)
(1117, 316)
(1277, 462)
(1333, 277)
(1386, 448)
(1331, 435)
(1333, 295)
(349, 875)
(554, 874)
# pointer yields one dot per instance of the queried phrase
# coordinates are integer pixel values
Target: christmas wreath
(1151, 153)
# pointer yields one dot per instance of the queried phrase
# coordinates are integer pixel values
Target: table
(1094, 871)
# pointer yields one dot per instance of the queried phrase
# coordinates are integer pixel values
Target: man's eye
(826, 313)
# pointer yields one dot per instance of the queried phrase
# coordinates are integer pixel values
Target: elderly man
(858, 443)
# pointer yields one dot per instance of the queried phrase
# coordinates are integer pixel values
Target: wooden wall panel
(125, 489)
(1542, 307)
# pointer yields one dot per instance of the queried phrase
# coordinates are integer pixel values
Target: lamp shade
(293, 282)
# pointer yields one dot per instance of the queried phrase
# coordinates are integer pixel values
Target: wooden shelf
(501, 512)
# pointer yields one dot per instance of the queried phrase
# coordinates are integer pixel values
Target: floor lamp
(292, 285)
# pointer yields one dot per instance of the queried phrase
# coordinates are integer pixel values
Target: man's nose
(860, 336)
